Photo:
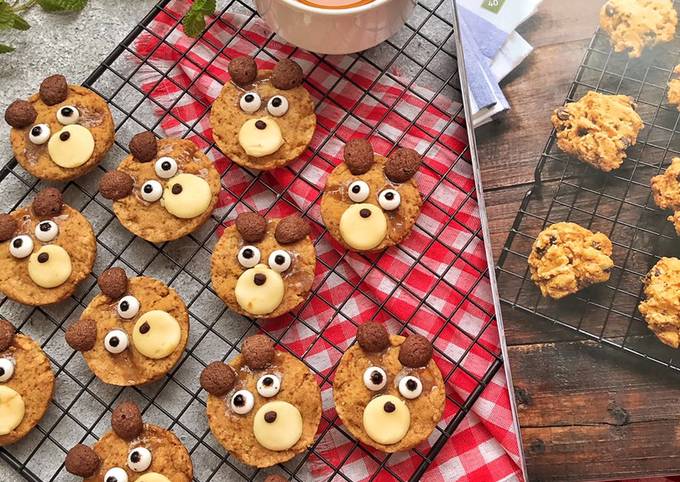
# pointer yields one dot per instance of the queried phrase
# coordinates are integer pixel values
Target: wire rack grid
(82, 405)
(618, 203)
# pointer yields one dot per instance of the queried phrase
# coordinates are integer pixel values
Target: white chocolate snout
(71, 146)
(363, 226)
(260, 137)
(387, 419)
(186, 196)
(153, 477)
(259, 290)
(50, 266)
(277, 425)
(12, 409)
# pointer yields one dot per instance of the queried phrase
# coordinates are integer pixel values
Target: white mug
(335, 31)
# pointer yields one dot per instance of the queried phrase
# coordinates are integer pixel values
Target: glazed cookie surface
(661, 309)
(134, 332)
(674, 88)
(666, 191)
(264, 267)
(635, 25)
(26, 384)
(46, 250)
(388, 391)
(263, 119)
(371, 202)
(164, 190)
(61, 132)
(264, 406)
(598, 129)
(132, 451)
(566, 258)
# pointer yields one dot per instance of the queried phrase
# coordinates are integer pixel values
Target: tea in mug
(335, 3)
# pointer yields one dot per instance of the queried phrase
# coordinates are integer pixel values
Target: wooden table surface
(586, 411)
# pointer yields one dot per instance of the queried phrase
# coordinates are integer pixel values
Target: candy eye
(277, 106)
(250, 102)
(6, 369)
(410, 387)
(128, 307)
(46, 231)
(116, 341)
(280, 260)
(268, 385)
(248, 256)
(151, 191)
(115, 474)
(139, 459)
(358, 191)
(242, 402)
(166, 167)
(375, 378)
(68, 115)
(21, 246)
(389, 199)
(39, 134)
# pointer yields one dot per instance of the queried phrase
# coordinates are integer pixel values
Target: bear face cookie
(61, 132)
(134, 332)
(26, 384)
(264, 406)
(264, 268)
(263, 119)
(46, 249)
(164, 189)
(132, 450)
(388, 391)
(370, 202)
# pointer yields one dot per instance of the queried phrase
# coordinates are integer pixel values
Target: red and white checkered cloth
(440, 271)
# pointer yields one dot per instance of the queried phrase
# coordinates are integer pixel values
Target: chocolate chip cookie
(566, 258)
(666, 192)
(661, 308)
(635, 25)
(61, 132)
(674, 88)
(598, 129)
(388, 391)
(264, 406)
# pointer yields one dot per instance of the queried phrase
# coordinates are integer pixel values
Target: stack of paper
(492, 49)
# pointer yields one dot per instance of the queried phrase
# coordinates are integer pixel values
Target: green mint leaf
(9, 19)
(62, 5)
(194, 20)
(5, 49)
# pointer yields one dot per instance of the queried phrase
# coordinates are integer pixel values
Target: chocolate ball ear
(54, 89)
(113, 282)
(82, 335)
(8, 226)
(243, 70)
(115, 185)
(126, 421)
(287, 75)
(402, 165)
(144, 146)
(251, 226)
(359, 157)
(82, 461)
(7, 332)
(20, 114)
(372, 337)
(291, 230)
(415, 352)
(48, 203)
(258, 352)
(218, 378)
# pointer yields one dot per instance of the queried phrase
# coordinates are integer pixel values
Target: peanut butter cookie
(674, 88)
(566, 258)
(661, 308)
(666, 191)
(598, 129)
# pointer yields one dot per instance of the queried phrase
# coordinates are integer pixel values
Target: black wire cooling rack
(82, 405)
(618, 203)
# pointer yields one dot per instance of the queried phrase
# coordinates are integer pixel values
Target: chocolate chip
(64, 136)
(7, 332)
(365, 213)
(82, 335)
(8, 226)
(291, 229)
(126, 421)
(54, 89)
(562, 114)
(243, 70)
(610, 10)
(217, 378)
(144, 146)
(43, 258)
(115, 185)
(358, 155)
(82, 461)
(258, 352)
(177, 189)
(261, 125)
(48, 203)
(581, 131)
(270, 417)
(20, 114)
(402, 165)
(113, 282)
(415, 352)
(145, 328)
(251, 226)
(389, 407)
(372, 337)
(259, 279)
(287, 75)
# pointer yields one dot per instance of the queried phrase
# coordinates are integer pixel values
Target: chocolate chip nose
(262, 125)
(176, 188)
(43, 258)
(389, 407)
(259, 279)
(270, 417)
(65, 136)
(144, 328)
(365, 213)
